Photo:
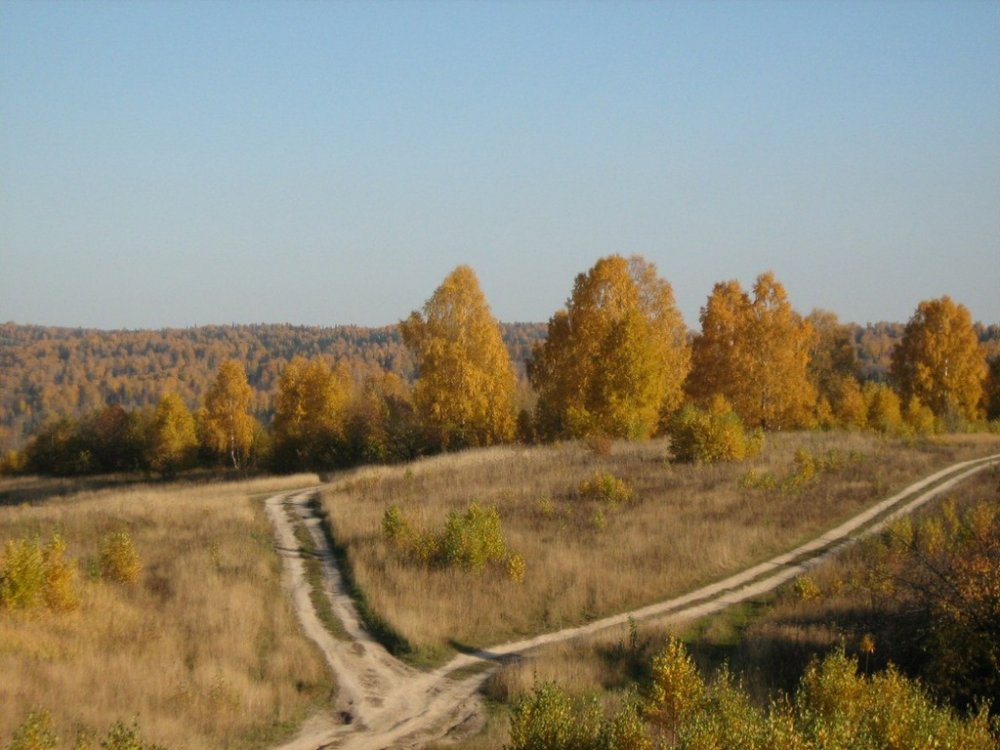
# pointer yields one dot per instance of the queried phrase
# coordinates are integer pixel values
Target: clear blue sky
(178, 163)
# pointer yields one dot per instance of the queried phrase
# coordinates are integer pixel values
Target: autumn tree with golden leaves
(309, 414)
(939, 360)
(754, 351)
(615, 358)
(227, 428)
(464, 392)
(173, 440)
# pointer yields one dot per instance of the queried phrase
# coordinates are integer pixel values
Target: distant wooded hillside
(47, 372)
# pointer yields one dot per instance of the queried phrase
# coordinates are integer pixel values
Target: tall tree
(833, 367)
(226, 424)
(615, 359)
(991, 394)
(465, 385)
(754, 351)
(939, 360)
(173, 439)
(309, 414)
(833, 355)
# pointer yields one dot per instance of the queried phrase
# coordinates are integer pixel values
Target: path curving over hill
(384, 703)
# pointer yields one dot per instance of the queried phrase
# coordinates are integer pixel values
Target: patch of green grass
(313, 566)
(714, 640)
(469, 670)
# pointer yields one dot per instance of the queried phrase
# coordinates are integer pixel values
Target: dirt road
(383, 703)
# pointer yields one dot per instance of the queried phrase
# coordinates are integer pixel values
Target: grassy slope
(204, 651)
(689, 525)
(766, 642)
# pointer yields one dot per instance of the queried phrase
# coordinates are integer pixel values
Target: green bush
(607, 488)
(474, 538)
(395, 528)
(548, 719)
(715, 434)
(35, 733)
(833, 707)
(33, 576)
(22, 574)
(469, 540)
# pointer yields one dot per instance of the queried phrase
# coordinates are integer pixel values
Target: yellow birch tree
(464, 392)
(309, 414)
(226, 424)
(754, 351)
(615, 359)
(939, 360)
(174, 438)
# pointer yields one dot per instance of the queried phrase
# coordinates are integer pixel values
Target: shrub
(60, 577)
(755, 480)
(516, 567)
(395, 527)
(474, 538)
(119, 560)
(708, 436)
(833, 707)
(919, 417)
(35, 733)
(806, 588)
(469, 540)
(548, 719)
(122, 737)
(676, 690)
(22, 574)
(606, 487)
(884, 409)
(849, 407)
(32, 575)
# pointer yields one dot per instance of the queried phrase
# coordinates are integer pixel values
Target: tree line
(616, 362)
(48, 372)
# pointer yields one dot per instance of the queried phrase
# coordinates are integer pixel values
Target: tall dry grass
(688, 525)
(767, 643)
(204, 650)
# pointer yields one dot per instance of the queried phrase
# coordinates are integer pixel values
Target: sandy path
(383, 703)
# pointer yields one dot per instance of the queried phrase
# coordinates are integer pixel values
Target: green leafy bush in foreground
(833, 708)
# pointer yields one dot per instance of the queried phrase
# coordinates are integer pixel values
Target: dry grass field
(766, 643)
(586, 558)
(203, 651)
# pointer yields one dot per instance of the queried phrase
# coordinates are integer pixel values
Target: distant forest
(48, 372)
